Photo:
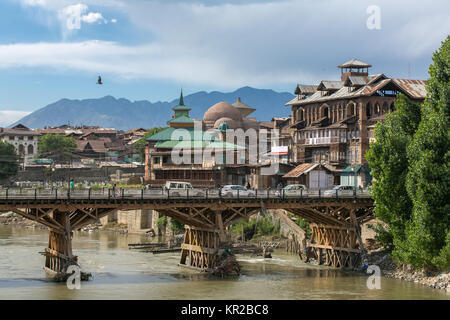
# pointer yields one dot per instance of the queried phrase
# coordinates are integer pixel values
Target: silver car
(234, 190)
(341, 191)
(293, 190)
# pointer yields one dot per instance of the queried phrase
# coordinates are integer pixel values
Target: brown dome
(222, 110)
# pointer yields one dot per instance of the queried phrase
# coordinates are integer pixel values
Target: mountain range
(123, 114)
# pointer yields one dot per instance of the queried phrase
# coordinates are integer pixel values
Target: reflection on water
(119, 273)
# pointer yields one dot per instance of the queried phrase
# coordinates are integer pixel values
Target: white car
(234, 190)
(341, 190)
(293, 190)
(182, 189)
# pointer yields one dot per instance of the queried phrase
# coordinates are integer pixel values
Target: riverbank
(15, 220)
(436, 280)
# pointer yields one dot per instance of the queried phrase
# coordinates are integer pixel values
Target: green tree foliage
(9, 160)
(410, 164)
(387, 157)
(302, 223)
(256, 227)
(56, 146)
(428, 231)
(139, 146)
(176, 227)
(161, 222)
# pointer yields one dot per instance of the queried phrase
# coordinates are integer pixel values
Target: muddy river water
(120, 273)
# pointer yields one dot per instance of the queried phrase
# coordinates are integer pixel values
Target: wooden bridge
(335, 218)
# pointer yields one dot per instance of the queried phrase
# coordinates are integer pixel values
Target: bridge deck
(18, 196)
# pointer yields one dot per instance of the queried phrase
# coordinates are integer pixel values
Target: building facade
(207, 159)
(23, 139)
(332, 122)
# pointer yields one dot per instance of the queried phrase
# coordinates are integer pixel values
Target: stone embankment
(436, 280)
(11, 219)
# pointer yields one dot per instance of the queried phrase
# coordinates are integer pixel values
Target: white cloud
(8, 117)
(72, 13)
(92, 17)
(257, 43)
(59, 4)
(113, 20)
(145, 61)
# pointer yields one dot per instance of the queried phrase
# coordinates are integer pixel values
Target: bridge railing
(160, 193)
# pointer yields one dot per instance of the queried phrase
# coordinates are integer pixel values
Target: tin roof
(415, 89)
(305, 89)
(166, 134)
(354, 63)
(326, 85)
(19, 130)
(356, 81)
(181, 119)
(301, 169)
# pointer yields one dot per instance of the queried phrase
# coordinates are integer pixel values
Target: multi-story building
(23, 139)
(331, 122)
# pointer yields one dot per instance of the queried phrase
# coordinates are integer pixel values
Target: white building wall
(25, 142)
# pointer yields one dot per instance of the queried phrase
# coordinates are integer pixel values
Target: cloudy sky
(148, 49)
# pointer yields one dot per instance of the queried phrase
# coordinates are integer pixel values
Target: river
(120, 273)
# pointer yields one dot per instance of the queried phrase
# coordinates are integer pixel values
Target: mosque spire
(181, 98)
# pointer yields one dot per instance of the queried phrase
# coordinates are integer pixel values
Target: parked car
(342, 191)
(293, 190)
(232, 191)
(182, 189)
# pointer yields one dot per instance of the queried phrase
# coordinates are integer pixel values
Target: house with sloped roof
(332, 122)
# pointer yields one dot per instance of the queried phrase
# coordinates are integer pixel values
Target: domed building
(195, 144)
(234, 115)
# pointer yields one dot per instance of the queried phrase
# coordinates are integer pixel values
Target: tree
(387, 157)
(428, 231)
(56, 146)
(139, 146)
(9, 160)
(176, 226)
(411, 167)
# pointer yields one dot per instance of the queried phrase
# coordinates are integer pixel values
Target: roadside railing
(162, 193)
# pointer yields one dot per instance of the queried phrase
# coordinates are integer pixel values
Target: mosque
(217, 121)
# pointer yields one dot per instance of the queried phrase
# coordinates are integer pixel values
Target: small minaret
(181, 116)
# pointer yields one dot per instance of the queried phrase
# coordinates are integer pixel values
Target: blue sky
(148, 49)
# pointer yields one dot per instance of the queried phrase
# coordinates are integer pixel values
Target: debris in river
(227, 264)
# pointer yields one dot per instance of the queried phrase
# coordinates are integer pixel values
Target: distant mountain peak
(123, 114)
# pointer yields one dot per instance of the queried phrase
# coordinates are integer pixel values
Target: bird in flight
(99, 81)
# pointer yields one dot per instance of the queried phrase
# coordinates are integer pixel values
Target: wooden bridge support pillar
(201, 247)
(219, 223)
(58, 255)
(335, 246)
